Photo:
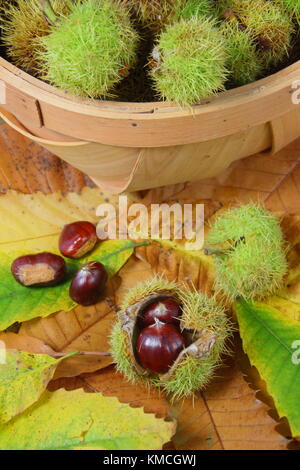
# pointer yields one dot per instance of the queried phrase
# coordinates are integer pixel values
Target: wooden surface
(230, 414)
(150, 124)
(136, 146)
(270, 179)
(118, 169)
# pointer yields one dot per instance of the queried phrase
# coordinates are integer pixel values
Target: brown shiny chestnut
(158, 347)
(42, 269)
(77, 239)
(88, 284)
(165, 310)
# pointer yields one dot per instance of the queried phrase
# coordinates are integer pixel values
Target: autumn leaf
(168, 259)
(287, 299)
(77, 420)
(23, 378)
(25, 343)
(38, 218)
(227, 415)
(92, 343)
(287, 307)
(27, 167)
(230, 410)
(269, 338)
(80, 329)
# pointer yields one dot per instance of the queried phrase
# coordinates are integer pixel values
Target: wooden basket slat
(105, 123)
(133, 146)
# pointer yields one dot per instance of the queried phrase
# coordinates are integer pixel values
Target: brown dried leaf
(25, 343)
(81, 329)
(192, 269)
(27, 167)
(227, 416)
(240, 420)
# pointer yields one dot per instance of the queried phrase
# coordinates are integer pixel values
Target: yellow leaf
(40, 217)
(72, 420)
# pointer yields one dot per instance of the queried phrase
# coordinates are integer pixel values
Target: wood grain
(156, 124)
(270, 179)
(137, 146)
(117, 169)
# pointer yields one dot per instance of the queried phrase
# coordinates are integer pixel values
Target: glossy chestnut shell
(42, 269)
(158, 347)
(88, 284)
(164, 310)
(77, 239)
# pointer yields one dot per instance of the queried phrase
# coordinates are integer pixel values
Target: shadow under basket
(135, 146)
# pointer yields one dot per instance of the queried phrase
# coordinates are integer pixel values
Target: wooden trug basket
(134, 146)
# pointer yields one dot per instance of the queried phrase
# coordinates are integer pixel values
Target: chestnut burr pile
(48, 269)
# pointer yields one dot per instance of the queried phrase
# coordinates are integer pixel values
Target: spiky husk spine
(156, 14)
(190, 60)
(243, 61)
(202, 316)
(151, 13)
(22, 23)
(292, 7)
(266, 22)
(187, 9)
(90, 50)
(249, 252)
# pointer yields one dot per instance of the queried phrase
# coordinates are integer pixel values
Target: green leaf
(23, 378)
(272, 341)
(19, 303)
(77, 420)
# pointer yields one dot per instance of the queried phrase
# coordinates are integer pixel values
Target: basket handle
(13, 122)
(115, 186)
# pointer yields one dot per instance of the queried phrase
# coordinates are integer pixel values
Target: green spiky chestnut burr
(243, 61)
(249, 252)
(155, 15)
(186, 9)
(292, 7)
(203, 323)
(90, 50)
(22, 23)
(190, 61)
(151, 14)
(266, 22)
